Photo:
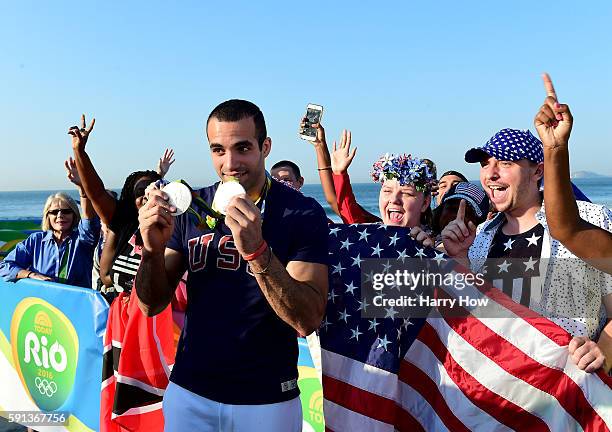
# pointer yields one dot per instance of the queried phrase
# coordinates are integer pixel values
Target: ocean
(29, 204)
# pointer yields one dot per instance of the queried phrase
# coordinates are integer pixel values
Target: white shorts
(187, 411)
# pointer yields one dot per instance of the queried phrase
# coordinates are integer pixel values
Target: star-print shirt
(513, 264)
(572, 291)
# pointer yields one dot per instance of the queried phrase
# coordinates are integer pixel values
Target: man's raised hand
(457, 235)
(80, 135)
(243, 218)
(554, 120)
(156, 221)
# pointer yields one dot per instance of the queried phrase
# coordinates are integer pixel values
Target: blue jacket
(41, 254)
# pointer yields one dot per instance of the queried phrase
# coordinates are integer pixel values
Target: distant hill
(586, 174)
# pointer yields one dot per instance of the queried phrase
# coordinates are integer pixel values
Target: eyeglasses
(66, 211)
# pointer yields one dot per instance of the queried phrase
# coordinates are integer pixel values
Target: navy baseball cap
(472, 194)
(509, 145)
(454, 173)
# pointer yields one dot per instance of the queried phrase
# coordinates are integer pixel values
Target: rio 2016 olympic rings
(48, 388)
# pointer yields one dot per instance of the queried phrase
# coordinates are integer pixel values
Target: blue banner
(51, 340)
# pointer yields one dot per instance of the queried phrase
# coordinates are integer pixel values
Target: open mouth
(395, 216)
(497, 192)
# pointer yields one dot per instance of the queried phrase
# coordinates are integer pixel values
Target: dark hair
(234, 110)
(454, 173)
(288, 164)
(127, 198)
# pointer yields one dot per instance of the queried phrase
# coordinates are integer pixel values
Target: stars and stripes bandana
(509, 145)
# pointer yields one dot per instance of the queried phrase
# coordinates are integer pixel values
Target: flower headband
(405, 169)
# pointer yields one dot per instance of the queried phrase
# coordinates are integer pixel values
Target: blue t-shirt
(234, 349)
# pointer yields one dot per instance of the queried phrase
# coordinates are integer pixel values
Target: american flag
(444, 373)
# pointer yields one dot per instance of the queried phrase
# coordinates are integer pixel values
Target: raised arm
(554, 124)
(341, 159)
(92, 185)
(73, 175)
(324, 166)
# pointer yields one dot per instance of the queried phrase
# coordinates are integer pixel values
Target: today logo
(311, 399)
(45, 349)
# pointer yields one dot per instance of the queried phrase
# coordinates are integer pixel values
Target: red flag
(138, 357)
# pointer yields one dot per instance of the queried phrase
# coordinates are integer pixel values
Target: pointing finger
(548, 85)
(83, 121)
(461, 212)
(91, 125)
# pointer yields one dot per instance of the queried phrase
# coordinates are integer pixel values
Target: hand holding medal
(179, 196)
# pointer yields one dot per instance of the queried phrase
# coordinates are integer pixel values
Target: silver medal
(179, 196)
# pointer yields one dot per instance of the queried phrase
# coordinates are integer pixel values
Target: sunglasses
(66, 211)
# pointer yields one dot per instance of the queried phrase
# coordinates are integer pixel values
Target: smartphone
(313, 115)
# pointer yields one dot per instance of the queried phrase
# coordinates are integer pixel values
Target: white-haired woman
(63, 251)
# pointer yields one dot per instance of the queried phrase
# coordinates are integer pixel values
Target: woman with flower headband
(405, 194)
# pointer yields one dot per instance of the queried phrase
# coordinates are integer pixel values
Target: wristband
(324, 168)
(261, 249)
(29, 273)
(265, 269)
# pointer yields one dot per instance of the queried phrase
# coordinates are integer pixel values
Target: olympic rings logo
(48, 388)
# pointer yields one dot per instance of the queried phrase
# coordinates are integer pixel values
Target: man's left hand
(554, 121)
(244, 220)
(586, 354)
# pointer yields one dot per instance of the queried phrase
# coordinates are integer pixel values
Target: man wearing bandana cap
(572, 293)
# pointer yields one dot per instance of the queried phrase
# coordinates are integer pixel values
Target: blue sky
(428, 78)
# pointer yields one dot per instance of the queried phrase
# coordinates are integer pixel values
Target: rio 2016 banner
(309, 382)
(51, 355)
